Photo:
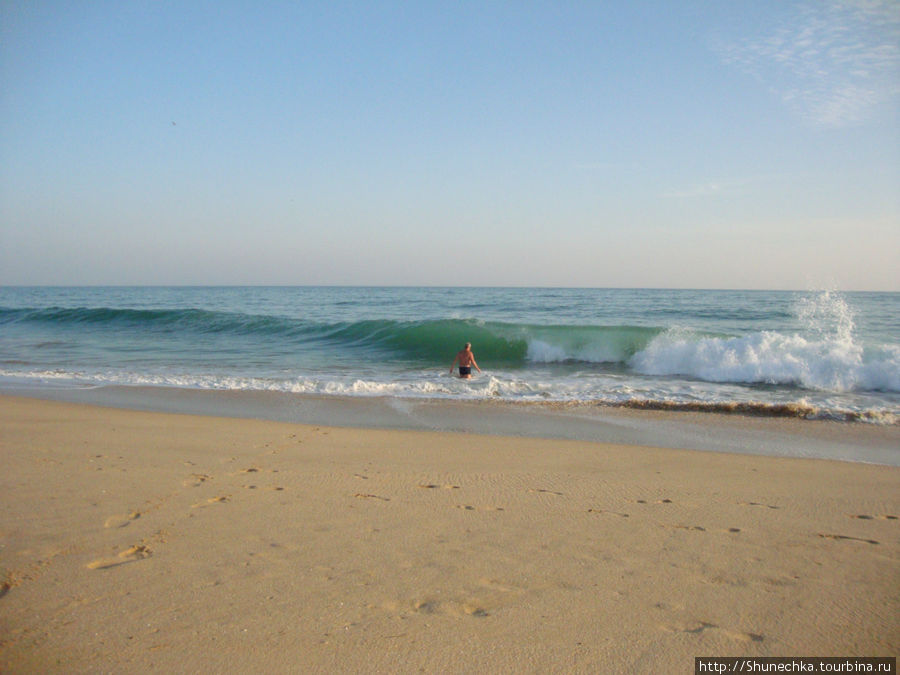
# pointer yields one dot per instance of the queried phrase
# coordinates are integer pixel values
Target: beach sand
(147, 542)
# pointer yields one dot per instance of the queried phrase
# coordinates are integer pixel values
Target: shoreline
(716, 431)
(140, 541)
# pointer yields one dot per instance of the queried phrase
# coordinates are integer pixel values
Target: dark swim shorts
(465, 370)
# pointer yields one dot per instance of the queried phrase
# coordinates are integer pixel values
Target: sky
(664, 144)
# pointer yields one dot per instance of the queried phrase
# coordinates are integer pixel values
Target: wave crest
(827, 364)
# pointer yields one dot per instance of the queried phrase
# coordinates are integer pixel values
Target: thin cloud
(700, 190)
(727, 187)
(831, 62)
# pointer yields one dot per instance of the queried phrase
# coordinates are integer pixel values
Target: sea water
(821, 354)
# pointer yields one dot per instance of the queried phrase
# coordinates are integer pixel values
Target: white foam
(834, 365)
(542, 351)
(762, 355)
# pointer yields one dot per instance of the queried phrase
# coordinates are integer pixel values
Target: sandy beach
(148, 542)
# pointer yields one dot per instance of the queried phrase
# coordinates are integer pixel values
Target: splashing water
(822, 355)
(826, 316)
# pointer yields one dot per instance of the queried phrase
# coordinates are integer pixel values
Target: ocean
(813, 354)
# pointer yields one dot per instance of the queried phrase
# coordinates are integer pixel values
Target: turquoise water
(819, 354)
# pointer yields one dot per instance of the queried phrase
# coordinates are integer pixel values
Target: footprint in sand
(867, 517)
(243, 472)
(847, 537)
(612, 513)
(360, 495)
(432, 486)
(454, 608)
(768, 506)
(746, 637)
(425, 606)
(196, 479)
(129, 555)
(256, 487)
(211, 500)
(702, 626)
(122, 520)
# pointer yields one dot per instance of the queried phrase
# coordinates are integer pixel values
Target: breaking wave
(773, 358)
(825, 357)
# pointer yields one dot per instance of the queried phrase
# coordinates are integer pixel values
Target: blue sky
(739, 144)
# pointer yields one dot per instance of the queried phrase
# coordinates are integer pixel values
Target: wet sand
(152, 542)
(718, 432)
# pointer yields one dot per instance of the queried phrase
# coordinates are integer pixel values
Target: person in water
(466, 360)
